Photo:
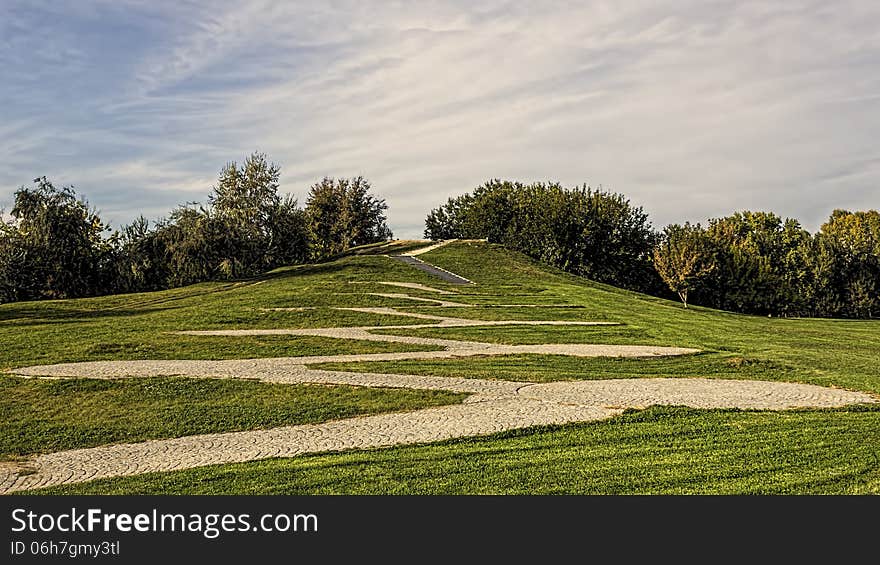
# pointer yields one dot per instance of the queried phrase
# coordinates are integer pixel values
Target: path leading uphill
(432, 270)
(411, 259)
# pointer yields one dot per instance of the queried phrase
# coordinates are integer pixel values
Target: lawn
(546, 368)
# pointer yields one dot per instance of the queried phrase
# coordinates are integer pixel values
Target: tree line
(751, 262)
(56, 246)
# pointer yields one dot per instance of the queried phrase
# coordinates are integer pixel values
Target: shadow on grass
(49, 316)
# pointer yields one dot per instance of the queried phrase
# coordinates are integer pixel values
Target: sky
(692, 109)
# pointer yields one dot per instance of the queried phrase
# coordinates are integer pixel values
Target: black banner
(230, 529)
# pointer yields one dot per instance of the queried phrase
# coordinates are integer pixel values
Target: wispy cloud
(693, 110)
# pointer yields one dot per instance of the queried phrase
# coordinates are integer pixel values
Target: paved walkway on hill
(431, 269)
(409, 257)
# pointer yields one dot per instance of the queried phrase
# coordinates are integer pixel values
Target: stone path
(493, 405)
(428, 247)
(432, 270)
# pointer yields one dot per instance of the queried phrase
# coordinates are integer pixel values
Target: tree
(247, 227)
(363, 215)
(19, 272)
(140, 259)
(244, 200)
(613, 239)
(446, 221)
(852, 244)
(760, 264)
(491, 211)
(588, 232)
(683, 258)
(287, 237)
(53, 246)
(341, 213)
(324, 218)
(196, 244)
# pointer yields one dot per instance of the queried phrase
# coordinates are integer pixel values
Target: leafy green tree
(615, 240)
(491, 212)
(683, 258)
(287, 242)
(851, 241)
(53, 246)
(245, 201)
(140, 260)
(324, 217)
(19, 266)
(197, 246)
(446, 221)
(758, 257)
(341, 213)
(363, 215)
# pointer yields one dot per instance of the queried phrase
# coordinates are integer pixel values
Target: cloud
(692, 110)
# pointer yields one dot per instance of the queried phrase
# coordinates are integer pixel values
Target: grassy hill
(659, 450)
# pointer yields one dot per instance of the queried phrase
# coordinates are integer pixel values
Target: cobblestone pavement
(432, 270)
(493, 405)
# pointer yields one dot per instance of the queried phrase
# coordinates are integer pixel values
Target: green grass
(547, 368)
(169, 346)
(531, 335)
(655, 451)
(503, 312)
(38, 415)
